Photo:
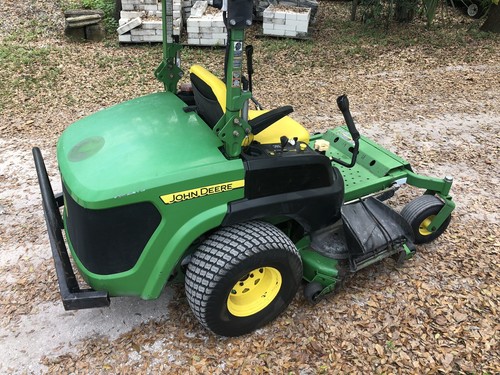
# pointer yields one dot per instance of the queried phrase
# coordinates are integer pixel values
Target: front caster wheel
(242, 277)
(419, 214)
(312, 292)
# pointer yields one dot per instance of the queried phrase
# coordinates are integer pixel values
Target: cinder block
(152, 8)
(279, 15)
(199, 8)
(302, 27)
(291, 33)
(146, 38)
(177, 22)
(129, 25)
(151, 25)
(212, 42)
(131, 14)
(220, 36)
(278, 32)
(290, 16)
(135, 32)
(125, 38)
(294, 23)
(218, 29)
(267, 27)
(268, 13)
(218, 23)
(205, 21)
(304, 16)
(281, 27)
(152, 38)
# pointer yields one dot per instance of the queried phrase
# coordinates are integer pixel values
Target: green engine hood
(135, 146)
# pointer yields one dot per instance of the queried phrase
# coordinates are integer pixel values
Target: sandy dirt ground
(437, 107)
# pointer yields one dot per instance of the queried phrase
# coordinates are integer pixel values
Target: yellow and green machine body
(146, 181)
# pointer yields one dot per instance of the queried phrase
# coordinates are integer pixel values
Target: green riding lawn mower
(240, 205)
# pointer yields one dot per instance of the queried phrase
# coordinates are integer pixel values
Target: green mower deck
(378, 169)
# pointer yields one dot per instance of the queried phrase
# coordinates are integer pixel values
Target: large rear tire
(419, 214)
(242, 277)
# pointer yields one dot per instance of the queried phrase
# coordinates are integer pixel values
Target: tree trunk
(354, 9)
(492, 23)
(118, 8)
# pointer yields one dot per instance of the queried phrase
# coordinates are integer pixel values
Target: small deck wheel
(472, 10)
(419, 214)
(242, 277)
(312, 292)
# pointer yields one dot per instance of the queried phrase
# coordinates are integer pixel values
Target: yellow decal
(201, 192)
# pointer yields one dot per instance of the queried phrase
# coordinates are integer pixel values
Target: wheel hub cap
(254, 292)
(424, 225)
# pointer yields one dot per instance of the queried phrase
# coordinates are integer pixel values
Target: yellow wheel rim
(254, 292)
(422, 228)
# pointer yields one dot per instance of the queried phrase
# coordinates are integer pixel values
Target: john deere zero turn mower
(241, 205)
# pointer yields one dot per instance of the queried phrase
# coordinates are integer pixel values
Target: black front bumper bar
(72, 296)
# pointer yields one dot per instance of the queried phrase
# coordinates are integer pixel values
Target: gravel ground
(435, 103)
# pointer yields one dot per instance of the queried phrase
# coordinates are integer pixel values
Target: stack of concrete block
(286, 21)
(84, 24)
(140, 21)
(151, 7)
(261, 5)
(205, 26)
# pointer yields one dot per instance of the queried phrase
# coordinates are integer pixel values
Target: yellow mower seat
(286, 126)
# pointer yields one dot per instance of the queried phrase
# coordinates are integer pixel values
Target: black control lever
(249, 56)
(343, 104)
(284, 142)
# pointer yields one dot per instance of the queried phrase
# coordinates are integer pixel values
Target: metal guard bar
(72, 296)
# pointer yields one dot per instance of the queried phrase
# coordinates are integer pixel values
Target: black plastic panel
(272, 169)
(295, 182)
(240, 14)
(111, 240)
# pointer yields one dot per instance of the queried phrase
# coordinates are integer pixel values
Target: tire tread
(223, 251)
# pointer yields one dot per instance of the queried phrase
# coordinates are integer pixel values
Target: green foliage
(430, 10)
(378, 12)
(108, 7)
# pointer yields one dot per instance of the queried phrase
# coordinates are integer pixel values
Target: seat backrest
(210, 98)
(209, 94)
